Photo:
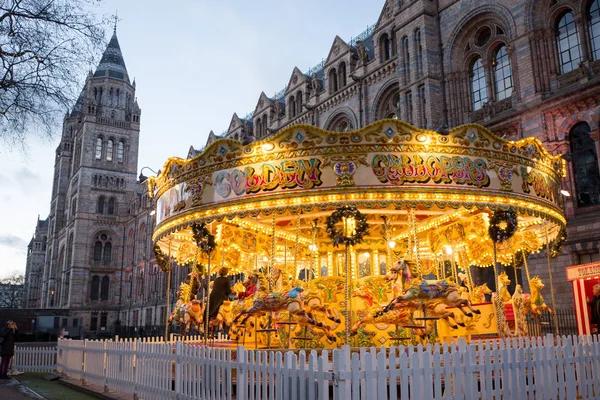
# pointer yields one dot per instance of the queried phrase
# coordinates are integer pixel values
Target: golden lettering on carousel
(290, 174)
(540, 183)
(404, 168)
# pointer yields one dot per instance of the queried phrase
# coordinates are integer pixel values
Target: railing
(524, 368)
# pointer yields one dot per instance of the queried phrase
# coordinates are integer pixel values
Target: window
(406, 61)
(100, 205)
(419, 52)
(104, 288)
(292, 107)
(502, 74)
(594, 21)
(98, 251)
(103, 320)
(107, 252)
(99, 149)
(109, 150)
(75, 322)
(567, 39)
(585, 166)
(333, 81)
(65, 322)
(478, 85)
(95, 287)
(409, 107)
(120, 151)
(299, 103)
(94, 321)
(389, 105)
(423, 104)
(111, 206)
(342, 75)
(73, 206)
(386, 47)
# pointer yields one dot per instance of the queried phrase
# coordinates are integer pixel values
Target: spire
(112, 62)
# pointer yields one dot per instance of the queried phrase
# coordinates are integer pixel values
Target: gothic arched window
(111, 205)
(478, 85)
(585, 165)
(386, 47)
(594, 26)
(98, 148)
(120, 151)
(341, 123)
(299, 102)
(419, 52)
(333, 81)
(95, 287)
(292, 106)
(98, 251)
(107, 252)
(389, 105)
(104, 288)
(100, 206)
(406, 61)
(567, 40)
(342, 75)
(109, 150)
(502, 74)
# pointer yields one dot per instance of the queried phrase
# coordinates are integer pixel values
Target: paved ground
(32, 386)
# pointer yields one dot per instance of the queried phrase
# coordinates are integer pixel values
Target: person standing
(595, 306)
(220, 292)
(8, 348)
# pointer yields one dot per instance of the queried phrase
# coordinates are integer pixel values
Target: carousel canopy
(416, 187)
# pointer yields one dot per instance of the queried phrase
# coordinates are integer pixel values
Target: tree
(45, 46)
(11, 291)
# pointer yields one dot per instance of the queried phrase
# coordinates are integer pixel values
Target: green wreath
(337, 236)
(161, 259)
(204, 239)
(503, 225)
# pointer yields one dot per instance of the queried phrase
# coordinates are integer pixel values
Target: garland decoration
(161, 260)
(503, 225)
(204, 239)
(556, 247)
(357, 228)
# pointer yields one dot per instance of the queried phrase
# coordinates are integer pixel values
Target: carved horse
(478, 293)
(536, 303)
(290, 300)
(503, 283)
(444, 290)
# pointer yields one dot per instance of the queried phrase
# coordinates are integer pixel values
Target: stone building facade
(520, 68)
(34, 269)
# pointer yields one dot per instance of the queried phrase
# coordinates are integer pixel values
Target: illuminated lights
(565, 193)
(313, 247)
(391, 244)
(448, 250)
(268, 146)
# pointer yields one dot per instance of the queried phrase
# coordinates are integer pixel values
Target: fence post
(178, 353)
(105, 368)
(240, 367)
(83, 362)
(134, 368)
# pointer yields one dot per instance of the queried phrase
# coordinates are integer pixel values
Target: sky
(195, 63)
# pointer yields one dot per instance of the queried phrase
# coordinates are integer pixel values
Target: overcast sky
(195, 63)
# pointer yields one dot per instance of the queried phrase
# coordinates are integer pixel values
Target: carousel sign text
(304, 174)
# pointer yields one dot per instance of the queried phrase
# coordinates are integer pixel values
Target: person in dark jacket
(220, 293)
(8, 348)
(595, 306)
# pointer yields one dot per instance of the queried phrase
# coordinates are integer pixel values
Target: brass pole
(168, 295)
(554, 318)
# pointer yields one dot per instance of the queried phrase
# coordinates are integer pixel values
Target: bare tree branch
(45, 48)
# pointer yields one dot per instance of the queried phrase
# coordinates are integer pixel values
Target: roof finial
(116, 17)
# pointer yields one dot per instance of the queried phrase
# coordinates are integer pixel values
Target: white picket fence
(566, 368)
(34, 359)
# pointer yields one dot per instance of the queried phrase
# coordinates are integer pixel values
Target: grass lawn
(51, 390)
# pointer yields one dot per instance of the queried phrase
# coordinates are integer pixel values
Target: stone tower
(94, 177)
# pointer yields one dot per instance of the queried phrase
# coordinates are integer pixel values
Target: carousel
(364, 238)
